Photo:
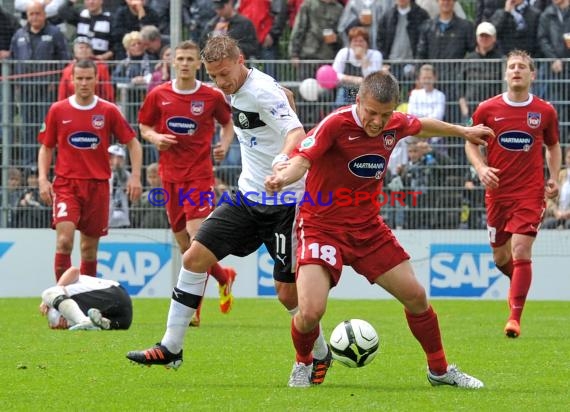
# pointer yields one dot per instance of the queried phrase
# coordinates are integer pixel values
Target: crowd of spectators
(130, 41)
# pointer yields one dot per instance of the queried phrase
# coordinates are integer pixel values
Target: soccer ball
(354, 343)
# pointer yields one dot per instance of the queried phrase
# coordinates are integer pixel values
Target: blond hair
(129, 37)
(220, 47)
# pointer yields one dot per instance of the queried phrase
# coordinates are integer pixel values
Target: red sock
(88, 268)
(218, 272)
(303, 343)
(61, 264)
(507, 268)
(520, 284)
(425, 329)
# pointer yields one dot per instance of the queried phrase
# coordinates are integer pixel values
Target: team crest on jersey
(197, 108)
(307, 142)
(389, 139)
(243, 120)
(98, 121)
(533, 119)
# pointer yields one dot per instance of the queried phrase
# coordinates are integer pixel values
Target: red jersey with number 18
(82, 135)
(521, 129)
(347, 166)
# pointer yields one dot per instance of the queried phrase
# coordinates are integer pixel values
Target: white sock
(179, 315)
(70, 311)
(320, 349)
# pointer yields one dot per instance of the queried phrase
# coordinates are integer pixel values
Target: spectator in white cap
(119, 204)
(117, 150)
(486, 28)
(480, 80)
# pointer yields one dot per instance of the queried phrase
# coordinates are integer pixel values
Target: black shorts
(114, 303)
(239, 229)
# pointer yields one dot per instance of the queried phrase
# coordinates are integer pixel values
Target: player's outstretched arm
(474, 134)
(292, 170)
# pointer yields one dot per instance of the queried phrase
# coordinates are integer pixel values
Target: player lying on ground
(80, 302)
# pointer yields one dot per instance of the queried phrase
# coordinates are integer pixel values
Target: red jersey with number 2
(82, 135)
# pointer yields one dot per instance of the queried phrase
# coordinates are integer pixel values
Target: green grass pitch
(241, 361)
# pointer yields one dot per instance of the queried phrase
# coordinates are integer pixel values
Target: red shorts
(505, 217)
(371, 252)
(85, 202)
(189, 201)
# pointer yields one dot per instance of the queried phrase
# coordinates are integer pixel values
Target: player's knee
(49, 295)
(310, 316)
(198, 259)
(415, 299)
(64, 245)
(521, 251)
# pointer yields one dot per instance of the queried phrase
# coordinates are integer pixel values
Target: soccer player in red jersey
(179, 117)
(350, 149)
(81, 127)
(513, 174)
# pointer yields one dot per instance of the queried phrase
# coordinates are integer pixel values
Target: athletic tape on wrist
(279, 158)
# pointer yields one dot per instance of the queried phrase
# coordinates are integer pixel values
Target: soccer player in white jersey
(80, 302)
(268, 130)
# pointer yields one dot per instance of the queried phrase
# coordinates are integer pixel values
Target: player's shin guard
(61, 263)
(320, 348)
(425, 328)
(304, 343)
(186, 298)
(88, 268)
(520, 285)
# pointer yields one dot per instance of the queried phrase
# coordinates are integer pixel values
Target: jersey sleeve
(552, 132)
(122, 130)
(275, 111)
(477, 116)
(319, 139)
(223, 112)
(48, 132)
(148, 114)
(409, 124)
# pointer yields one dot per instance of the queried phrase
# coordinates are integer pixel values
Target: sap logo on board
(133, 265)
(265, 284)
(461, 270)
